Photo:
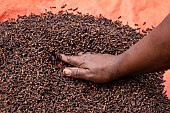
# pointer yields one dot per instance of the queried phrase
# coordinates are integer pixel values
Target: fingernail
(67, 72)
(59, 55)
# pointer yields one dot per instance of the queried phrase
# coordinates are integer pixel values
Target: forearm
(152, 53)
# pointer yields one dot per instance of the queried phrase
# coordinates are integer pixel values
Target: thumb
(76, 73)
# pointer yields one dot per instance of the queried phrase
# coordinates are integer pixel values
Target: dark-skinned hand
(150, 54)
(98, 68)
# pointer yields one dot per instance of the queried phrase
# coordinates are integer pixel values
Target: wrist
(121, 64)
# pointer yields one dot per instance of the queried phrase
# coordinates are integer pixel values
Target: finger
(89, 52)
(73, 60)
(76, 73)
(81, 53)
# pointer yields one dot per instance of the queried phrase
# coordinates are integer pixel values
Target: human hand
(98, 68)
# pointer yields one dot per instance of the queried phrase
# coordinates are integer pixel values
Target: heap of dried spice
(31, 78)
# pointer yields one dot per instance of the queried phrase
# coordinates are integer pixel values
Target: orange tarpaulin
(132, 11)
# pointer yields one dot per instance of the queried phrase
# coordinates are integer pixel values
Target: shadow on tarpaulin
(131, 11)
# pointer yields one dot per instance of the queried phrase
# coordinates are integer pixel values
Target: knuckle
(75, 72)
(68, 58)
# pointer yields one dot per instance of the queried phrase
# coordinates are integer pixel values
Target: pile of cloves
(31, 79)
